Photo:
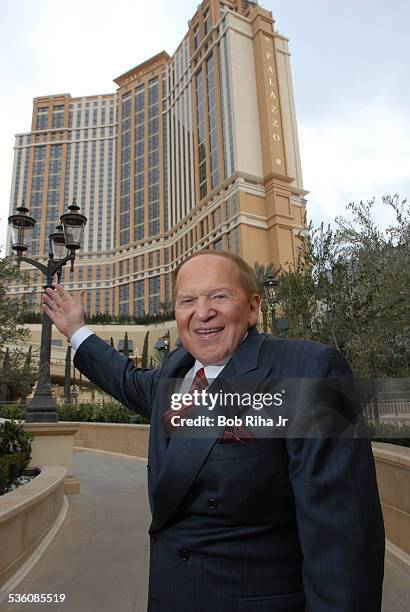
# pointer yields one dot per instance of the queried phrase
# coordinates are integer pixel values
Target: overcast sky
(350, 64)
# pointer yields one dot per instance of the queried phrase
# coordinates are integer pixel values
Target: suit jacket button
(184, 554)
(212, 503)
(148, 468)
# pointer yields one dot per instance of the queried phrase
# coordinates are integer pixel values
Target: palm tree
(166, 306)
(261, 274)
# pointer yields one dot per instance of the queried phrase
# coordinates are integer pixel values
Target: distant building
(198, 149)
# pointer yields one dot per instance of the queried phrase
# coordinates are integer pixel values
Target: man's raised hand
(66, 312)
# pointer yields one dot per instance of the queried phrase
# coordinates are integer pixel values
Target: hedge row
(107, 412)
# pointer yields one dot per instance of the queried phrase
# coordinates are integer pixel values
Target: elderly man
(243, 524)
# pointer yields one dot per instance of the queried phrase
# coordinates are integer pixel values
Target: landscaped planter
(26, 516)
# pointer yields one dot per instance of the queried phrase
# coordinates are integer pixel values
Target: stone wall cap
(392, 453)
(50, 477)
(62, 428)
(79, 424)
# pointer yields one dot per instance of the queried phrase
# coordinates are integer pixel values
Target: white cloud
(355, 155)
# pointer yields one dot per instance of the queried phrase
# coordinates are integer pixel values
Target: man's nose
(204, 309)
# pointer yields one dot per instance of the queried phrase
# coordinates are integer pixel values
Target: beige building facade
(195, 150)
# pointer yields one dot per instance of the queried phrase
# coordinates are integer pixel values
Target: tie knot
(200, 382)
(201, 373)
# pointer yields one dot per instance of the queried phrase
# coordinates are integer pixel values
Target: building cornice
(139, 71)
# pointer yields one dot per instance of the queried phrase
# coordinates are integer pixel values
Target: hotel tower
(195, 150)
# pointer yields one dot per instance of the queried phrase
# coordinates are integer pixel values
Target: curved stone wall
(27, 514)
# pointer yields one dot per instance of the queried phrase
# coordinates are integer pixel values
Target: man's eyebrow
(211, 290)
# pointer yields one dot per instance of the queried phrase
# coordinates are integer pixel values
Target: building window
(207, 22)
(196, 37)
(236, 240)
(58, 117)
(42, 118)
(124, 299)
(201, 134)
(154, 295)
(235, 204)
(139, 298)
(153, 156)
(229, 241)
(213, 137)
(216, 218)
(125, 176)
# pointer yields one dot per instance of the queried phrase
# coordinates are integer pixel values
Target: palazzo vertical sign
(274, 116)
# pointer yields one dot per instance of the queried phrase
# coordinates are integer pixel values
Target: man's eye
(187, 301)
(219, 297)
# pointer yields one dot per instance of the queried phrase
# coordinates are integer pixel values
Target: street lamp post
(167, 342)
(67, 237)
(271, 285)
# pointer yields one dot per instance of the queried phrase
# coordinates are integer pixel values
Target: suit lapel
(173, 370)
(184, 457)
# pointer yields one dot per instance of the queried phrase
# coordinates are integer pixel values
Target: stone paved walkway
(99, 558)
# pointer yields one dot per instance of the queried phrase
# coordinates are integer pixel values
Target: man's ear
(255, 306)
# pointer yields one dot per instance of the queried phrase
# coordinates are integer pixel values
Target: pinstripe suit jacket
(276, 525)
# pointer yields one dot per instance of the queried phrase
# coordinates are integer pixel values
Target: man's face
(212, 310)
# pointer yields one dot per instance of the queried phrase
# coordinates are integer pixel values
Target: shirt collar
(211, 371)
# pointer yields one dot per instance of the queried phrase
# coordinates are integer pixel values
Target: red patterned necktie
(200, 383)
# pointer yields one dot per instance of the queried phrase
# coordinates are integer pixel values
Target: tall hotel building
(194, 150)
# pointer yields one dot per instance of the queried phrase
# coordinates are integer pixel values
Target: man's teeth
(208, 331)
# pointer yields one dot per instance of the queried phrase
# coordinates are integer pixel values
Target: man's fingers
(63, 293)
(53, 295)
(79, 297)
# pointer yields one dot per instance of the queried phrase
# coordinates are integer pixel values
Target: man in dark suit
(244, 523)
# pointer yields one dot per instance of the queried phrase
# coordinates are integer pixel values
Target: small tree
(10, 309)
(28, 375)
(126, 350)
(166, 306)
(144, 356)
(17, 374)
(351, 289)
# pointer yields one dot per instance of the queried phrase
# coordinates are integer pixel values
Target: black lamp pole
(167, 342)
(42, 408)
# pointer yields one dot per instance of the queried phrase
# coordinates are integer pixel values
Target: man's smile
(208, 333)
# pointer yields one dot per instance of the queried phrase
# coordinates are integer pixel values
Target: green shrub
(108, 412)
(15, 452)
(13, 411)
(390, 433)
(112, 413)
(75, 412)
